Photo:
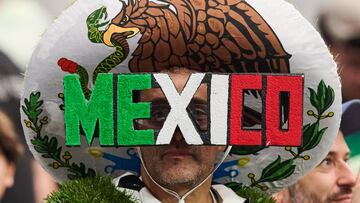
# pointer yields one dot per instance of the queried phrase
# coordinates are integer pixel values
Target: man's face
(178, 165)
(331, 181)
(349, 62)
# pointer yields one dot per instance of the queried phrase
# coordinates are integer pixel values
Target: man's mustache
(343, 191)
(181, 147)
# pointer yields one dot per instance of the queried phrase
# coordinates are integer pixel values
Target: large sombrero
(100, 36)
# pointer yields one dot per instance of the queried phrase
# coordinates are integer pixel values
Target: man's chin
(180, 174)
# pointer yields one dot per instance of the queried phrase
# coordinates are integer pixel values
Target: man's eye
(159, 115)
(327, 162)
(199, 113)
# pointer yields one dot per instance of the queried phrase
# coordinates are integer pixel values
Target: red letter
(293, 85)
(239, 83)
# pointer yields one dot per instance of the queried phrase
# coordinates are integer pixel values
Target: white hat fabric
(144, 36)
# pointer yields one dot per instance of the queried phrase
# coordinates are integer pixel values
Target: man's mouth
(343, 198)
(176, 153)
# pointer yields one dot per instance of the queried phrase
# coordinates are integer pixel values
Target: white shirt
(145, 196)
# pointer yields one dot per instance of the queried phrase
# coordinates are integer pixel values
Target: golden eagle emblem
(206, 36)
(215, 35)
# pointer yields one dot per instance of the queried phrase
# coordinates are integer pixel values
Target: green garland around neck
(89, 190)
(102, 190)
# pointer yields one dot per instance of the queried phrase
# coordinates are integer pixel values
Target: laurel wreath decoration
(47, 146)
(322, 99)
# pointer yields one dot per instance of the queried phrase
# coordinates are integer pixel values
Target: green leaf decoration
(314, 99)
(89, 190)
(79, 171)
(253, 195)
(321, 95)
(31, 108)
(246, 150)
(329, 98)
(323, 98)
(322, 101)
(48, 147)
(311, 137)
(277, 170)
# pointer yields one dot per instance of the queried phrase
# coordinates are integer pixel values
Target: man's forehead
(339, 148)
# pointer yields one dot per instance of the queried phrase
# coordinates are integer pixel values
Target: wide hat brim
(284, 43)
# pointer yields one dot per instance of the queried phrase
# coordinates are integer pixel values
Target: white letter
(219, 101)
(178, 116)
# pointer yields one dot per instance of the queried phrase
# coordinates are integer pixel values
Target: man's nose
(345, 176)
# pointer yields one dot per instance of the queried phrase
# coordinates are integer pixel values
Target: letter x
(178, 116)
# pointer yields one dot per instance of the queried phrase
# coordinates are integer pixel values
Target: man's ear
(282, 196)
(9, 175)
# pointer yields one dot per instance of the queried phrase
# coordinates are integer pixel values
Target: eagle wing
(233, 37)
(214, 35)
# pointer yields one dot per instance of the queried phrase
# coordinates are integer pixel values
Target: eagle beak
(126, 32)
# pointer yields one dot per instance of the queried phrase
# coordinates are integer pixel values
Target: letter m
(87, 114)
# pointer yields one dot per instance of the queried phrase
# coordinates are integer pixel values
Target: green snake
(95, 35)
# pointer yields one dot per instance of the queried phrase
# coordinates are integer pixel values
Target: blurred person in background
(22, 22)
(333, 180)
(10, 150)
(330, 181)
(32, 183)
(339, 24)
(350, 126)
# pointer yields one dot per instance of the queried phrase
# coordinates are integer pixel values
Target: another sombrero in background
(254, 36)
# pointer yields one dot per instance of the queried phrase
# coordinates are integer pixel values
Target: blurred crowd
(23, 21)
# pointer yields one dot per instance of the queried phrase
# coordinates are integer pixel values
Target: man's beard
(299, 195)
(185, 176)
(180, 172)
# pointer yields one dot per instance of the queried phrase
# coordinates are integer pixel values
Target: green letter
(88, 113)
(129, 110)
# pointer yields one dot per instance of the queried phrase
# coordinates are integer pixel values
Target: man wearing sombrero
(175, 42)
